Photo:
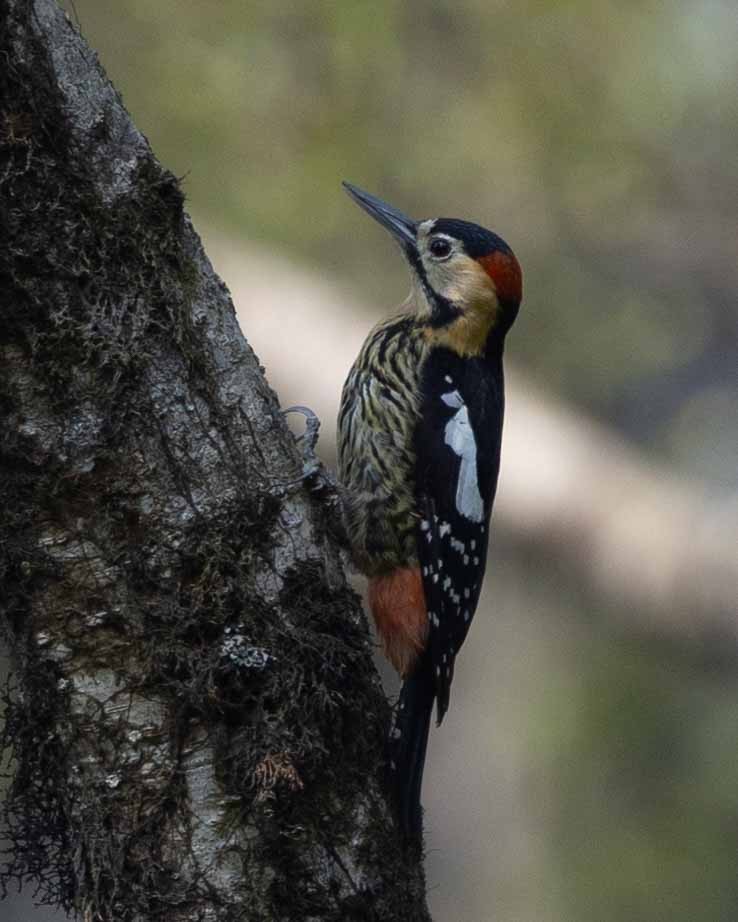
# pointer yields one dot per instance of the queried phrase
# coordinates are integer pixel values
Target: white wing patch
(459, 436)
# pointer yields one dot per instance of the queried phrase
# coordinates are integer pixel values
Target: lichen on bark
(197, 728)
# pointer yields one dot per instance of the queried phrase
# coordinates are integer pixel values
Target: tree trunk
(197, 729)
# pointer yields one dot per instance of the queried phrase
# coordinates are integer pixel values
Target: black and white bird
(419, 434)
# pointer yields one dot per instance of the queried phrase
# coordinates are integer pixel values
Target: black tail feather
(407, 746)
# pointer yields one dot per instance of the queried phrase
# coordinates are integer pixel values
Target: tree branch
(199, 730)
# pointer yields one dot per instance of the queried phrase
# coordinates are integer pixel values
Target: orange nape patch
(504, 270)
(398, 605)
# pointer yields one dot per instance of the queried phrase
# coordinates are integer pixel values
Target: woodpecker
(419, 435)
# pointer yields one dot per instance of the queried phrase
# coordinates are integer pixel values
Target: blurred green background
(601, 140)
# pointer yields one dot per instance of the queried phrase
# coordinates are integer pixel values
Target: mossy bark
(197, 729)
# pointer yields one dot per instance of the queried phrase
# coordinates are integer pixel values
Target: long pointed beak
(402, 228)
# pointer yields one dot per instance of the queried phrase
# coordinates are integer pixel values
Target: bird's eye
(440, 248)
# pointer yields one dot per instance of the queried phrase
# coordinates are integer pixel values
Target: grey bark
(197, 729)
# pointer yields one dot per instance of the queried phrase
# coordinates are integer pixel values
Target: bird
(419, 440)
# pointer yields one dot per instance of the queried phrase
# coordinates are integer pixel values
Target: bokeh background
(588, 768)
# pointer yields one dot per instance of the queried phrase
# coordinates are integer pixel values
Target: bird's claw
(313, 469)
(316, 475)
(312, 427)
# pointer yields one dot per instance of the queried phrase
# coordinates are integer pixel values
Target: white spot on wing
(459, 436)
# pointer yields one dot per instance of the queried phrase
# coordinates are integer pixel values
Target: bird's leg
(311, 464)
(316, 475)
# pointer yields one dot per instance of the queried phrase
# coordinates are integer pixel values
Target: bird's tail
(407, 745)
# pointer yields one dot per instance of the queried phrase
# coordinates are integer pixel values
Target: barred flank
(376, 422)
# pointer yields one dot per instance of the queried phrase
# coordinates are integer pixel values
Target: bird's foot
(312, 467)
(316, 475)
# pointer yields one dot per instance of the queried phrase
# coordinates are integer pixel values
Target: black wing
(458, 452)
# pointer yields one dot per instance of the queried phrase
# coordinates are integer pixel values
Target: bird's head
(467, 283)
